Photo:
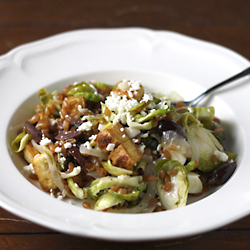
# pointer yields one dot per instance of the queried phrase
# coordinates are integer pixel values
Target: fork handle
(235, 77)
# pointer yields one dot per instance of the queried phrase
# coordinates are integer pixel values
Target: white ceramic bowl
(164, 61)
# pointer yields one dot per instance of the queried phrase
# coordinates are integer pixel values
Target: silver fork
(195, 101)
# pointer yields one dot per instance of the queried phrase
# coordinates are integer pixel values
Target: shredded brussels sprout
(116, 171)
(20, 142)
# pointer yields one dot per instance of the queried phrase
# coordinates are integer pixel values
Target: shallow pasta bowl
(162, 61)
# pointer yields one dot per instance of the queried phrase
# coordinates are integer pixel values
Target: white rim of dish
(117, 226)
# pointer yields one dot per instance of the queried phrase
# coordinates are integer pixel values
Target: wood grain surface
(223, 22)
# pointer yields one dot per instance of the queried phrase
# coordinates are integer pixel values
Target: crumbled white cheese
(86, 126)
(58, 149)
(110, 147)
(92, 137)
(220, 156)
(163, 105)
(130, 94)
(101, 126)
(135, 140)
(147, 97)
(134, 85)
(45, 141)
(119, 105)
(67, 145)
(62, 158)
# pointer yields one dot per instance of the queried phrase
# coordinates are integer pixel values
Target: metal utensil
(195, 101)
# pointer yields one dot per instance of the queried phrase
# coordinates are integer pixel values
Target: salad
(120, 148)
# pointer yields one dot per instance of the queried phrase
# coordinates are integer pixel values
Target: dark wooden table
(219, 21)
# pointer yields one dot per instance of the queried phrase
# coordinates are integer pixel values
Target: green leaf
(80, 193)
(107, 200)
(139, 105)
(44, 97)
(108, 181)
(139, 118)
(79, 88)
(143, 126)
(20, 142)
(116, 171)
(102, 85)
(111, 198)
(202, 142)
(126, 197)
(190, 166)
(203, 113)
(89, 96)
(177, 197)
